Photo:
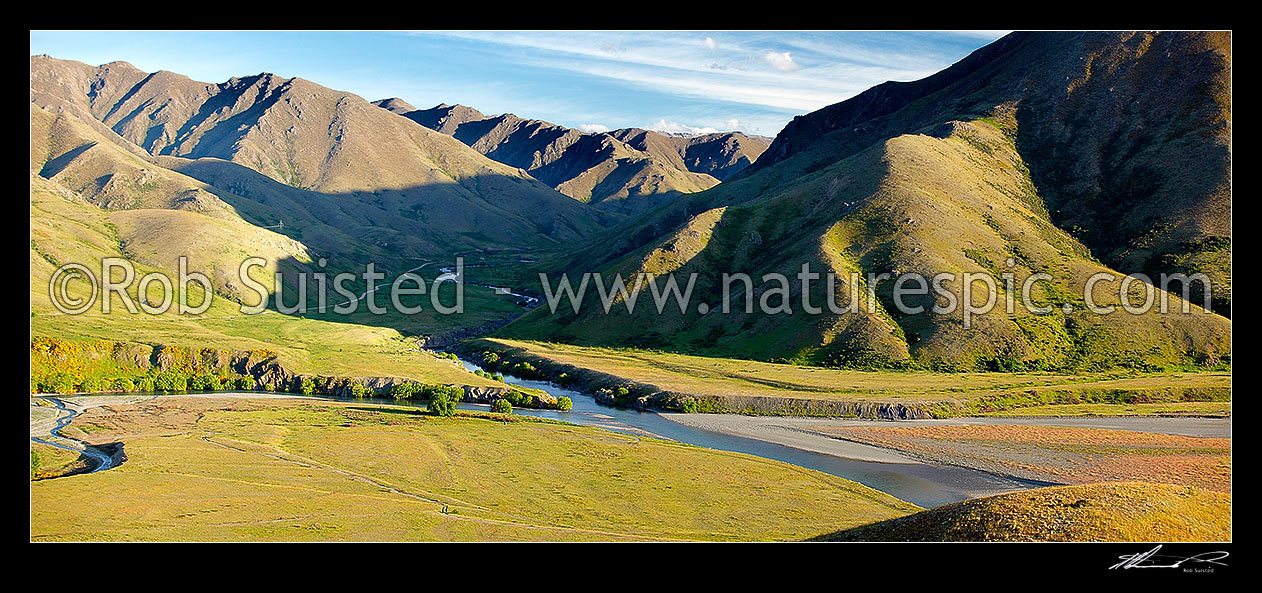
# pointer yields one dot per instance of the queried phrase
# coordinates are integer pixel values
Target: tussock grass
(289, 470)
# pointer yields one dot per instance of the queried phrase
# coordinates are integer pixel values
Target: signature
(1151, 559)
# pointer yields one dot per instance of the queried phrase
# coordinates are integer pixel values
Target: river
(918, 482)
(923, 484)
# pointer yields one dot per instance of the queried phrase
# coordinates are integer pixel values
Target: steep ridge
(927, 177)
(87, 190)
(624, 171)
(71, 153)
(1127, 136)
(95, 166)
(340, 152)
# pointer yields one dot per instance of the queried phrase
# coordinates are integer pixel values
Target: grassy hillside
(952, 198)
(66, 228)
(720, 155)
(1109, 512)
(1127, 136)
(97, 192)
(71, 153)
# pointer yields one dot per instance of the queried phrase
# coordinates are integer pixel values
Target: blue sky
(668, 80)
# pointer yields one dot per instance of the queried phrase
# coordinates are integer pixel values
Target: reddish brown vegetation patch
(1065, 455)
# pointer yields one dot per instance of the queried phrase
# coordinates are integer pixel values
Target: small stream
(102, 460)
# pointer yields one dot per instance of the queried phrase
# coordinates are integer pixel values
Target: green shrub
(407, 391)
(361, 390)
(308, 386)
(92, 384)
(202, 382)
(501, 406)
(455, 393)
(441, 403)
(145, 383)
(622, 396)
(123, 384)
(170, 381)
(59, 382)
(564, 403)
(525, 370)
(1006, 364)
(519, 399)
(688, 406)
(245, 382)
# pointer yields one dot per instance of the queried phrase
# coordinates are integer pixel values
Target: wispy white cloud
(593, 128)
(781, 61)
(675, 127)
(763, 78)
(748, 72)
(751, 88)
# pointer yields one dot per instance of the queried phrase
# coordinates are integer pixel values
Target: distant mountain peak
(395, 105)
(625, 170)
(116, 64)
(443, 117)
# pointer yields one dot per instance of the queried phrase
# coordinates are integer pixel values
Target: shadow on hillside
(499, 225)
(487, 213)
(759, 232)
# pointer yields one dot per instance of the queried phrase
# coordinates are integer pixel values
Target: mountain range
(327, 165)
(627, 170)
(1069, 154)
